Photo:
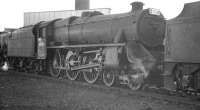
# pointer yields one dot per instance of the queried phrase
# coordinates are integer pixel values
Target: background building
(35, 17)
(82, 4)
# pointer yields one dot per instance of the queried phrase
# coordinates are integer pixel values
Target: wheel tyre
(72, 75)
(136, 83)
(108, 78)
(52, 66)
(52, 71)
(88, 79)
(134, 86)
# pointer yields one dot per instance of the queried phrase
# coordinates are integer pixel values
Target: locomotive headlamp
(154, 11)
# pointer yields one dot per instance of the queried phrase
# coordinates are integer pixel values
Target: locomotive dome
(150, 25)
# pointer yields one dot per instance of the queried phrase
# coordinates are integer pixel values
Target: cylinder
(82, 4)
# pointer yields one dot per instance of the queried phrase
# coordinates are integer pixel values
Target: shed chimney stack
(82, 4)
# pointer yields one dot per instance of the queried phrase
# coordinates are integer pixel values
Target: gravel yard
(23, 93)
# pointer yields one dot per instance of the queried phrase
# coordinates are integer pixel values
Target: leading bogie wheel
(91, 75)
(135, 83)
(134, 86)
(108, 78)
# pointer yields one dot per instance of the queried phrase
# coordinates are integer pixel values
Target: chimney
(137, 6)
(82, 4)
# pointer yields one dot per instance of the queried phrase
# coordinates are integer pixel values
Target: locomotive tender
(182, 47)
(127, 47)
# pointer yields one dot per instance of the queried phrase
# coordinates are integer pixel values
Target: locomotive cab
(45, 33)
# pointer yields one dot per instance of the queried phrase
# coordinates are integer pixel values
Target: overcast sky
(12, 10)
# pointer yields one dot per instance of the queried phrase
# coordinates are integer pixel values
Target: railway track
(151, 94)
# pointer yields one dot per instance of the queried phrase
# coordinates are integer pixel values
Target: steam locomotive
(125, 47)
(134, 48)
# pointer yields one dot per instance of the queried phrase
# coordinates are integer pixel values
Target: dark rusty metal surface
(182, 36)
(22, 43)
(4, 38)
(140, 26)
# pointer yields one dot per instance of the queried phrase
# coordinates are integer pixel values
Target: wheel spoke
(91, 76)
(36, 68)
(72, 60)
(135, 82)
(55, 64)
(72, 75)
(134, 86)
(108, 78)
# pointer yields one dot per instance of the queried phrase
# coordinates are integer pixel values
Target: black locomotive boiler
(127, 47)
